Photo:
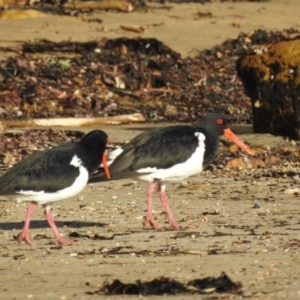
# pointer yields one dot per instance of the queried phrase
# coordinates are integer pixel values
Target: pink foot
(174, 224)
(58, 237)
(150, 220)
(22, 237)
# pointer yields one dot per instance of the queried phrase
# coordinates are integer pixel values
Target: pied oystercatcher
(169, 154)
(53, 175)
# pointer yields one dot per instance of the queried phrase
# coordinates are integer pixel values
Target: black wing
(161, 148)
(47, 171)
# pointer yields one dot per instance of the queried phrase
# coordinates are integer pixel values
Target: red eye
(220, 121)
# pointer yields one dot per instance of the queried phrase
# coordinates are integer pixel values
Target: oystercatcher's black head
(94, 138)
(97, 140)
(216, 125)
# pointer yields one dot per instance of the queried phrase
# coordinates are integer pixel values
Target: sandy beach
(177, 25)
(240, 222)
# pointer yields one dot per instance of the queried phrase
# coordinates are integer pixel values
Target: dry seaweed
(221, 284)
(162, 285)
(124, 76)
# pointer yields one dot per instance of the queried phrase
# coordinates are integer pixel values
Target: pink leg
(24, 235)
(60, 239)
(165, 202)
(149, 217)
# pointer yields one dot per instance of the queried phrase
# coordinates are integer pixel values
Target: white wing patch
(76, 161)
(192, 166)
(112, 155)
(78, 185)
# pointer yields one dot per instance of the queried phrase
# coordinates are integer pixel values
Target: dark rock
(271, 78)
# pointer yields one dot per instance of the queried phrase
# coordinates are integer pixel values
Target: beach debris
(202, 14)
(245, 162)
(125, 76)
(19, 9)
(294, 191)
(133, 28)
(121, 5)
(114, 120)
(170, 286)
(8, 3)
(21, 14)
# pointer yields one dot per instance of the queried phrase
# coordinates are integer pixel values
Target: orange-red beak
(231, 136)
(104, 163)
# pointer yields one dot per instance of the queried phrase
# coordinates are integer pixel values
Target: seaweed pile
(169, 286)
(117, 76)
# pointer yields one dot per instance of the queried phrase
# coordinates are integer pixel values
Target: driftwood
(115, 120)
(21, 14)
(121, 5)
(133, 28)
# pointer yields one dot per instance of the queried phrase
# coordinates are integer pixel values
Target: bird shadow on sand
(43, 224)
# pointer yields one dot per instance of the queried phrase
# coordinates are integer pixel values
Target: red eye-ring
(220, 121)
